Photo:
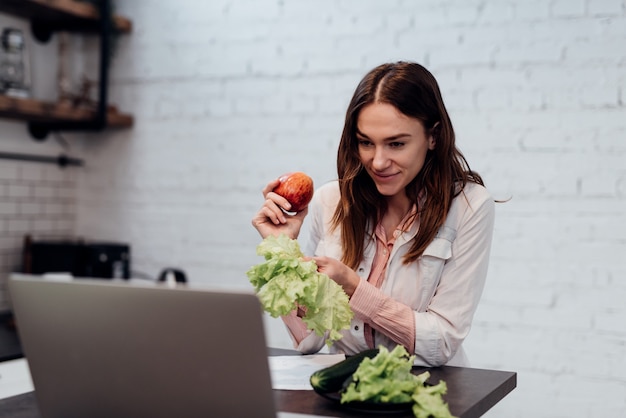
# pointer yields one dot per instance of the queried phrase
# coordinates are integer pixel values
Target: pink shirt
(382, 312)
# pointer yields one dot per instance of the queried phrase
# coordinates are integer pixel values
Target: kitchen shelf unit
(48, 112)
(47, 17)
(62, 14)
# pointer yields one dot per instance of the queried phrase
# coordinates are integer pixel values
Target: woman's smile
(392, 147)
(383, 177)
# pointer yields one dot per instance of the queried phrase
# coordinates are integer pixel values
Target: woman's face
(392, 147)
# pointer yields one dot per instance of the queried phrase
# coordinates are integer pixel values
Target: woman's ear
(431, 142)
(432, 138)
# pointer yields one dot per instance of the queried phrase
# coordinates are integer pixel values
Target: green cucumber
(332, 378)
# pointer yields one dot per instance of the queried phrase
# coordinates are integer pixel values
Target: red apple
(297, 188)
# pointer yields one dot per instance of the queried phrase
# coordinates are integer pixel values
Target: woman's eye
(396, 144)
(364, 143)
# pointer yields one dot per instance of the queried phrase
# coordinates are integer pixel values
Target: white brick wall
(227, 95)
(35, 199)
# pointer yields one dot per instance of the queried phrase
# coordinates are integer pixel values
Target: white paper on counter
(293, 372)
(15, 378)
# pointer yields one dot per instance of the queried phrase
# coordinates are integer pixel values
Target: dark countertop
(471, 392)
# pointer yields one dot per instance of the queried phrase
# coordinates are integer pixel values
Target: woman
(406, 229)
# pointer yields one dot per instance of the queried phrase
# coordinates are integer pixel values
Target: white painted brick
(332, 105)
(302, 105)
(251, 10)
(32, 173)
(484, 36)
(414, 40)
(333, 62)
(45, 192)
(567, 8)
(491, 77)
(224, 67)
(599, 184)
(354, 26)
(379, 7)
(66, 193)
(17, 226)
(397, 20)
(486, 99)
(254, 87)
(597, 51)
(583, 395)
(219, 108)
(527, 99)
(610, 321)
(459, 101)
(8, 171)
(28, 208)
(65, 226)
(531, 10)
(8, 208)
(309, 45)
(621, 186)
(499, 12)
(605, 7)
(460, 56)
(563, 31)
(613, 27)
(279, 66)
(430, 17)
(540, 52)
(42, 225)
(564, 140)
(7, 242)
(304, 9)
(464, 14)
(254, 50)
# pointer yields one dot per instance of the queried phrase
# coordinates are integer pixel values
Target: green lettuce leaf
(387, 378)
(328, 307)
(428, 401)
(285, 281)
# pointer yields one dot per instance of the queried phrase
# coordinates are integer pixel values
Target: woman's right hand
(272, 220)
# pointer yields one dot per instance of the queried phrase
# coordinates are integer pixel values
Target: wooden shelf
(49, 112)
(70, 14)
(47, 17)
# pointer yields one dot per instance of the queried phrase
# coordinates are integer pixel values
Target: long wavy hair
(413, 90)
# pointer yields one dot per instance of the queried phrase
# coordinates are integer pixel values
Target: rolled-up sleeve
(384, 314)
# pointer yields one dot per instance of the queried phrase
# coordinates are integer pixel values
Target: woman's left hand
(339, 272)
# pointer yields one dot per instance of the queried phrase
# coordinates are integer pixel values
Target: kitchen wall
(35, 199)
(229, 94)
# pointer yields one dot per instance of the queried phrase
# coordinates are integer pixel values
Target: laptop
(99, 348)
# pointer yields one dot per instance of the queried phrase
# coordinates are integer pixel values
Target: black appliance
(107, 260)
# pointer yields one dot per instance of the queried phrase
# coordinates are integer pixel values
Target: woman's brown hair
(413, 90)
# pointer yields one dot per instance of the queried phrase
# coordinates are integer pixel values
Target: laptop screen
(101, 348)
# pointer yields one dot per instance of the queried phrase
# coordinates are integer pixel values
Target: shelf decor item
(14, 64)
